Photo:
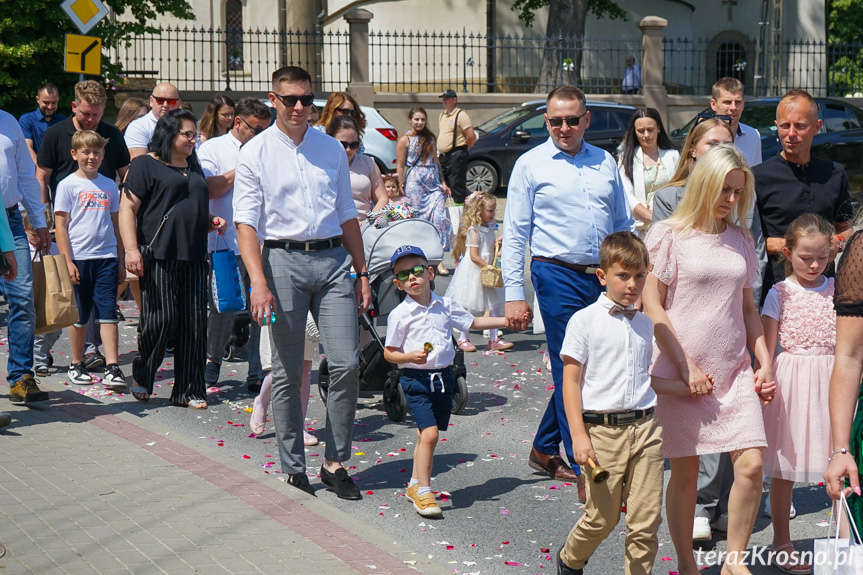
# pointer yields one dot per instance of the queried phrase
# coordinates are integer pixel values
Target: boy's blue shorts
(429, 398)
(97, 291)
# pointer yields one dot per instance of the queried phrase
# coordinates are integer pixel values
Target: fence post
(655, 95)
(360, 85)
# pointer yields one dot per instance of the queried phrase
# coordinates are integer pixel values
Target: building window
(731, 61)
(234, 34)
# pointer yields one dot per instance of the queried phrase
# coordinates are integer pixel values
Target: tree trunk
(564, 39)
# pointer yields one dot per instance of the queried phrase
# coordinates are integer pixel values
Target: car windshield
(503, 120)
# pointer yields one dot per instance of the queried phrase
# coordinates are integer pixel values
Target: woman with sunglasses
(164, 221)
(647, 162)
(218, 118)
(342, 104)
(367, 185)
(419, 171)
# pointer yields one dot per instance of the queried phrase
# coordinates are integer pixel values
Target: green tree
(32, 36)
(566, 20)
(845, 46)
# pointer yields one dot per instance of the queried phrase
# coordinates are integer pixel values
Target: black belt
(313, 246)
(619, 418)
(11, 211)
(591, 269)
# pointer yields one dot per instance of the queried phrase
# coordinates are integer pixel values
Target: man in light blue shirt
(564, 197)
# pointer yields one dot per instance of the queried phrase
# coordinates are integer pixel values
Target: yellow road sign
(84, 13)
(83, 54)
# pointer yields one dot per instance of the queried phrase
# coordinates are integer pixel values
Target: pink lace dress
(797, 421)
(706, 275)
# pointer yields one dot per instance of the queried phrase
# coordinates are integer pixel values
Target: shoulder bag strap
(171, 209)
(455, 130)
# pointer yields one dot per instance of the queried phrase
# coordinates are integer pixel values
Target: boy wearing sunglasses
(165, 97)
(419, 340)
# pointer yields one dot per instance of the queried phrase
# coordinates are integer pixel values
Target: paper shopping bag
(53, 294)
(836, 556)
(226, 282)
(453, 213)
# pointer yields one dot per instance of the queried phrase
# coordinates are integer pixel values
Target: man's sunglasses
(416, 271)
(351, 145)
(571, 121)
(703, 116)
(170, 101)
(251, 127)
(347, 111)
(291, 101)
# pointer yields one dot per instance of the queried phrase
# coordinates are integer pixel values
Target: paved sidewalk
(87, 488)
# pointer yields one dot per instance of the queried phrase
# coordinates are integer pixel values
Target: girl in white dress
(474, 249)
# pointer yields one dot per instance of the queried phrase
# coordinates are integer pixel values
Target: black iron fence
(206, 59)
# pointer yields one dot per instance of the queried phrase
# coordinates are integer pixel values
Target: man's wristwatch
(836, 452)
(362, 275)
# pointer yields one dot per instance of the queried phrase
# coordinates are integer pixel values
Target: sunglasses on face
(347, 112)
(291, 101)
(705, 116)
(571, 121)
(351, 145)
(190, 135)
(251, 127)
(416, 271)
(169, 101)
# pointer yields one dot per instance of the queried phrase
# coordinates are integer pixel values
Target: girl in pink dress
(798, 312)
(699, 296)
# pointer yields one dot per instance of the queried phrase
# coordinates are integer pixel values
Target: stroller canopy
(381, 243)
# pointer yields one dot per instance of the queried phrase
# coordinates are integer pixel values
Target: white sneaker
(791, 514)
(701, 529)
(721, 523)
(79, 375)
(114, 376)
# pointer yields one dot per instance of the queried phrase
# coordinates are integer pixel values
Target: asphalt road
(499, 516)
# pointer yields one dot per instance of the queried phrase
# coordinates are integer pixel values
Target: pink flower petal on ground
(666, 558)
(247, 457)
(513, 564)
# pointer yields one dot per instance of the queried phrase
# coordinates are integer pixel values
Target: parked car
(840, 138)
(379, 139)
(502, 139)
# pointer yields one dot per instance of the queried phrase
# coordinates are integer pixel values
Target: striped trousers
(173, 309)
(319, 282)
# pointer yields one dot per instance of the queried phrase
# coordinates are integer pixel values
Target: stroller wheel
(396, 405)
(324, 380)
(229, 353)
(459, 395)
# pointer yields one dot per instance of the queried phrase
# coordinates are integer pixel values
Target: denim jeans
(22, 314)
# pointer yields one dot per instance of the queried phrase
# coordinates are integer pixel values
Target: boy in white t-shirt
(85, 216)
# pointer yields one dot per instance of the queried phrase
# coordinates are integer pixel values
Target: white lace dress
(705, 275)
(466, 287)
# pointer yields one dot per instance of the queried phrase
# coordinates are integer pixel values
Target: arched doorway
(731, 61)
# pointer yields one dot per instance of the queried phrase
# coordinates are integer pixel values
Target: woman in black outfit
(164, 221)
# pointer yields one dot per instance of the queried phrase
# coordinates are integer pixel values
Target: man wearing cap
(455, 138)
(165, 97)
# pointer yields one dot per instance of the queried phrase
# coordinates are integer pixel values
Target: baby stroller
(377, 374)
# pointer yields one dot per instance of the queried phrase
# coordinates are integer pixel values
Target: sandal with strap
(139, 392)
(793, 563)
(193, 404)
(258, 421)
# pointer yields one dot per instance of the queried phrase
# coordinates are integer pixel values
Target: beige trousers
(632, 454)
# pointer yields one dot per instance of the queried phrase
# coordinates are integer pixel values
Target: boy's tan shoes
(426, 505)
(411, 492)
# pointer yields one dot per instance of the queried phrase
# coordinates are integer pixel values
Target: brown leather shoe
(554, 465)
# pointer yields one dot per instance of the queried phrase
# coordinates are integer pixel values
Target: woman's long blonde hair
(704, 186)
(472, 216)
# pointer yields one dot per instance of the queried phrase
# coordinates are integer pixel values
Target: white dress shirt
(616, 353)
(140, 131)
(631, 78)
(748, 141)
(564, 206)
(293, 192)
(635, 192)
(218, 156)
(411, 325)
(17, 172)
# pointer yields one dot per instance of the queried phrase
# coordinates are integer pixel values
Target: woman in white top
(367, 184)
(647, 161)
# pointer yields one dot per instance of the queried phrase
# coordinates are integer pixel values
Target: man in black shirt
(794, 182)
(54, 160)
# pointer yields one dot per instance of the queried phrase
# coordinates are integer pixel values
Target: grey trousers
(42, 345)
(319, 282)
(715, 476)
(219, 325)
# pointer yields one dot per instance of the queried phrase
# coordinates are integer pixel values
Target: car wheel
(482, 177)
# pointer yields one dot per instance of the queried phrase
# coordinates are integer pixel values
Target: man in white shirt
(727, 100)
(631, 77)
(218, 157)
(18, 183)
(165, 97)
(292, 192)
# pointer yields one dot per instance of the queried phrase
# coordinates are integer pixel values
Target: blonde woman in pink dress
(798, 313)
(699, 296)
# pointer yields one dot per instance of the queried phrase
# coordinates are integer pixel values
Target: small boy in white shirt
(85, 217)
(419, 339)
(609, 402)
